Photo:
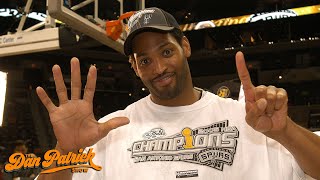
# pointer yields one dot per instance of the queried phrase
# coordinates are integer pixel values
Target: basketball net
(115, 28)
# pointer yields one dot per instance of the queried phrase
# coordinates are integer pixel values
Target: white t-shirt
(209, 139)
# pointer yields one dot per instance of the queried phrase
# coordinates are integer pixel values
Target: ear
(133, 64)
(186, 47)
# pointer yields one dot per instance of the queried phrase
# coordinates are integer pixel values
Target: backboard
(108, 32)
(58, 10)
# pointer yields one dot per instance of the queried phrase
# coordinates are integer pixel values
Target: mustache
(162, 76)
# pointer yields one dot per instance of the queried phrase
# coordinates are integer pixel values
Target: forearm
(60, 175)
(303, 145)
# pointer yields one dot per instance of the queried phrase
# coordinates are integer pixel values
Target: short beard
(175, 91)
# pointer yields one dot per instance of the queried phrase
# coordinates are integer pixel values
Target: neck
(187, 97)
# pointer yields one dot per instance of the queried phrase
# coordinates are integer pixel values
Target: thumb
(106, 127)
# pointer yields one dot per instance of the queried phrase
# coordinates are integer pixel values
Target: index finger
(244, 76)
(91, 84)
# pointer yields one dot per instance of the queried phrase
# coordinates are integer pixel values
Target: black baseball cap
(149, 19)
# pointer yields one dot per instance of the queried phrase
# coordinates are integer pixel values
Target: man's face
(161, 63)
(21, 149)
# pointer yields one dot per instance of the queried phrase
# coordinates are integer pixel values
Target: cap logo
(147, 18)
(134, 19)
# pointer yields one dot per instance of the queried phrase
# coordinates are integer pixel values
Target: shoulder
(224, 102)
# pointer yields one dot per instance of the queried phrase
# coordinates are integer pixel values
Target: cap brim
(128, 41)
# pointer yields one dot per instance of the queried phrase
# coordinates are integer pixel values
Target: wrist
(66, 151)
(60, 149)
(63, 151)
(285, 134)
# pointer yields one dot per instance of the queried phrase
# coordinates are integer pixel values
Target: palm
(266, 123)
(74, 125)
(73, 121)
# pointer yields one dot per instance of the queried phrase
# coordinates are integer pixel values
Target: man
(180, 131)
(20, 146)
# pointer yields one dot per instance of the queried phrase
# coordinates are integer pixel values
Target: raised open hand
(73, 120)
(266, 107)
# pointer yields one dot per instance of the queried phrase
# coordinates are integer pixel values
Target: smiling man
(180, 131)
(164, 68)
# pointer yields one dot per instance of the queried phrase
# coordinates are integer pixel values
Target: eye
(144, 61)
(167, 52)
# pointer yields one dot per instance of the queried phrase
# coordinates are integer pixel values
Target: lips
(164, 80)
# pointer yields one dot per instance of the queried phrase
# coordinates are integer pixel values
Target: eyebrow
(157, 47)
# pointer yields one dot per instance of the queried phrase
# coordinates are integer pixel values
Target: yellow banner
(264, 16)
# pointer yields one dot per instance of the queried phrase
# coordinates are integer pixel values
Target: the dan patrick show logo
(76, 162)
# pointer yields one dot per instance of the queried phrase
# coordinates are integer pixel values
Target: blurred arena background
(282, 52)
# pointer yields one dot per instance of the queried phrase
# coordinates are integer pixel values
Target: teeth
(165, 78)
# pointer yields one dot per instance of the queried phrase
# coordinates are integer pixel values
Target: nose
(160, 66)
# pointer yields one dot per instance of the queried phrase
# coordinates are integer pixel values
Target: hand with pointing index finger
(73, 120)
(266, 107)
